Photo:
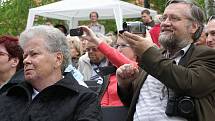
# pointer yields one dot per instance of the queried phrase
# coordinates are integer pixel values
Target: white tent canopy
(75, 10)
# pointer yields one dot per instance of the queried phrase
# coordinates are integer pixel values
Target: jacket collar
(25, 89)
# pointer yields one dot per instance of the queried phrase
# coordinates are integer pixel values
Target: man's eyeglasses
(121, 45)
(91, 49)
(211, 18)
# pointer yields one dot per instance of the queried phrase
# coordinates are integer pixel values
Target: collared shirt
(34, 94)
(95, 70)
(76, 74)
(153, 97)
(97, 28)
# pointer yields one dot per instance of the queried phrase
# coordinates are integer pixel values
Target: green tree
(14, 15)
(159, 5)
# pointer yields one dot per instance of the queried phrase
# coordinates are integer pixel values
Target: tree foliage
(14, 15)
(159, 5)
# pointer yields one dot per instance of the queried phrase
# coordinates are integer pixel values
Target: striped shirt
(153, 98)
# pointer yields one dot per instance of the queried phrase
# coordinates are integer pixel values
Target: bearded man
(178, 83)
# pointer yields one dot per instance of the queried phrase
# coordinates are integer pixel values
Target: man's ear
(196, 30)
(15, 62)
(195, 26)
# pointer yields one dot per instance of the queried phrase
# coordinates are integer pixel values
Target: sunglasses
(211, 18)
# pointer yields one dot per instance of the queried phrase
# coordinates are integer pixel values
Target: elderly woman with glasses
(47, 95)
(10, 60)
(118, 55)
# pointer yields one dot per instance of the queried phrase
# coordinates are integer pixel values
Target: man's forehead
(176, 8)
(211, 25)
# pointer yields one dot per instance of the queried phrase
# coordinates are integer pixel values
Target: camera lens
(186, 105)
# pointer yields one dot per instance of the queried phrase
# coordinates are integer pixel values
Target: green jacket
(194, 76)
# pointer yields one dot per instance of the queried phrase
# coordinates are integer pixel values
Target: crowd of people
(165, 74)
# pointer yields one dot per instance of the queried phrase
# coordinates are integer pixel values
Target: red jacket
(155, 32)
(110, 97)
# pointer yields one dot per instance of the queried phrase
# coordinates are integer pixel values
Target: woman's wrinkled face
(39, 63)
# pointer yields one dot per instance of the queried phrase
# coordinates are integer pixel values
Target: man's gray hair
(196, 14)
(55, 41)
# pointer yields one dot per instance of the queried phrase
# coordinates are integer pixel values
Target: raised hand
(126, 74)
(90, 35)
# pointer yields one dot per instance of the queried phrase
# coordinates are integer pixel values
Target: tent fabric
(75, 10)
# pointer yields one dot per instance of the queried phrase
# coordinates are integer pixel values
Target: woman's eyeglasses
(121, 45)
(91, 49)
(4, 53)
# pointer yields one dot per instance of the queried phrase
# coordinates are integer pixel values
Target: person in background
(94, 25)
(182, 71)
(210, 32)
(202, 38)
(121, 54)
(48, 23)
(112, 36)
(155, 30)
(83, 46)
(45, 89)
(11, 57)
(90, 61)
(74, 44)
(147, 19)
(62, 28)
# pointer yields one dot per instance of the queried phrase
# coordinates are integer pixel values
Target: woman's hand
(90, 35)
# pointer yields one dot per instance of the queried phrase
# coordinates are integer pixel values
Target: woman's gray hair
(55, 41)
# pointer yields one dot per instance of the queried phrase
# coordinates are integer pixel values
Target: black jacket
(16, 78)
(64, 101)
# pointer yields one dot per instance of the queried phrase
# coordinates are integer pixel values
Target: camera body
(76, 32)
(135, 27)
(182, 106)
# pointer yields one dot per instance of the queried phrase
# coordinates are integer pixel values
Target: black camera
(135, 27)
(76, 32)
(182, 106)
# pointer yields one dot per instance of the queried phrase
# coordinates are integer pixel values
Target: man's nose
(210, 38)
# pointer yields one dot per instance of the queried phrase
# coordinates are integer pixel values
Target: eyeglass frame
(212, 17)
(172, 19)
(4, 53)
(93, 49)
(121, 45)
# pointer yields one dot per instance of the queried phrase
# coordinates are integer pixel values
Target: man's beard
(171, 42)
